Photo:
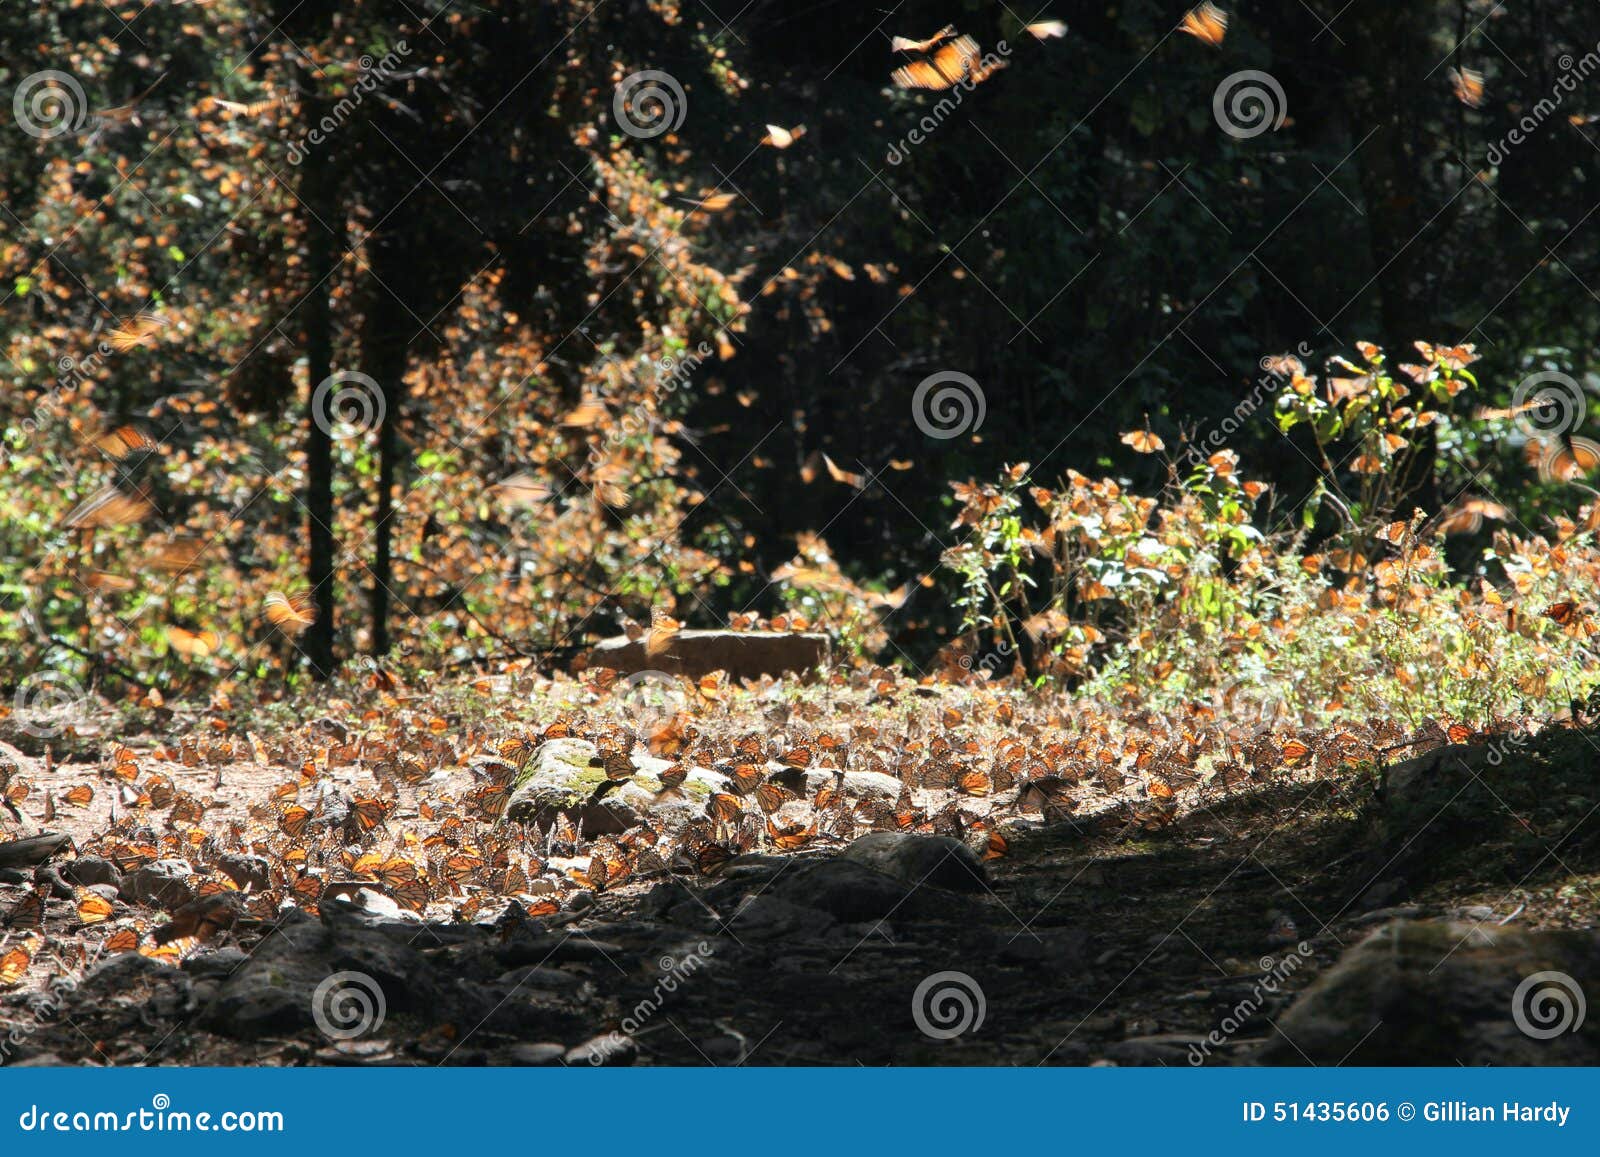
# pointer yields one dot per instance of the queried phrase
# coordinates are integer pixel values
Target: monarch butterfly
(745, 777)
(108, 506)
(954, 62)
(842, 476)
(781, 138)
(104, 580)
(293, 820)
(489, 802)
(1143, 442)
(123, 940)
(291, 614)
(14, 965)
(522, 490)
(1569, 458)
(1294, 751)
(1046, 29)
(193, 644)
(770, 797)
(663, 627)
(80, 796)
(124, 440)
(793, 836)
(93, 907)
(131, 857)
(906, 44)
(800, 755)
(410, 894)
(1468, 85)
(135, 332)
(590, 411)
(1207, 23)
(29, 909)
(725, 808)
(462, 866)
(366, 814)
(974, 783)
(714, 202)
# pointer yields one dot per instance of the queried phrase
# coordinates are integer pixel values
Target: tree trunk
(385, 347)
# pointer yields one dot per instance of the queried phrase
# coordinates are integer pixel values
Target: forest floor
(1103, 931)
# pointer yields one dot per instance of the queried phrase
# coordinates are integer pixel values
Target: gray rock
(246, 871)
(613, 1050)
(850, 892)
(1161, 1049)
(163, 884)
(1440, 993)
(559, 780)
(221, 963)
(538, 1055)
(15, 876)
(49, 876)
(534, 978)
(87, 870)
(742, 654)
(857, 784)
(769, 917)
(917, 859)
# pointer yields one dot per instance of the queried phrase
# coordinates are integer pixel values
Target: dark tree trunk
(386, 345)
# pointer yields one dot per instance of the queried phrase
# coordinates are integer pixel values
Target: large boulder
(918, 859)
(742, 654)
(1420, 992)
(561, 779)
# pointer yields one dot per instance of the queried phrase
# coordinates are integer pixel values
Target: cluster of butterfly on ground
(426, 824)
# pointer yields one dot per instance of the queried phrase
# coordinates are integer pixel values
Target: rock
(15, 876)
(246, 871)
(559, 780)
(1161, 1049)
(768, 917)
(223, 962)
(1442, 993)
(87, 870)
(1426, 774)
(742, 654)
(848, 891)
(857, 784)
(535, 978)
(49, 876)
(536, 1055)
(918, 859)
(163, 884)
(32, 850)
(1056, 948)
(611, 1050)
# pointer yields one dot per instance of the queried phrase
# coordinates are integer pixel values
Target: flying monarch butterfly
(1568, 458)
(588, 412)
(236, 108)
(291, 614)
(1207, 24)
(906, 44)
(135, 332)
(1046, 29)
(104, 580)
(14, 965)
(193, 644)
(663, 628)
(844, 477)
(124, 440)
(1468, 86)
(108, 506)
(93, 907)
(714, 203)
(176, 555)
(949, 65)
(781, 138)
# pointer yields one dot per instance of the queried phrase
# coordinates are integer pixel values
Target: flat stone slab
(742, 654)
